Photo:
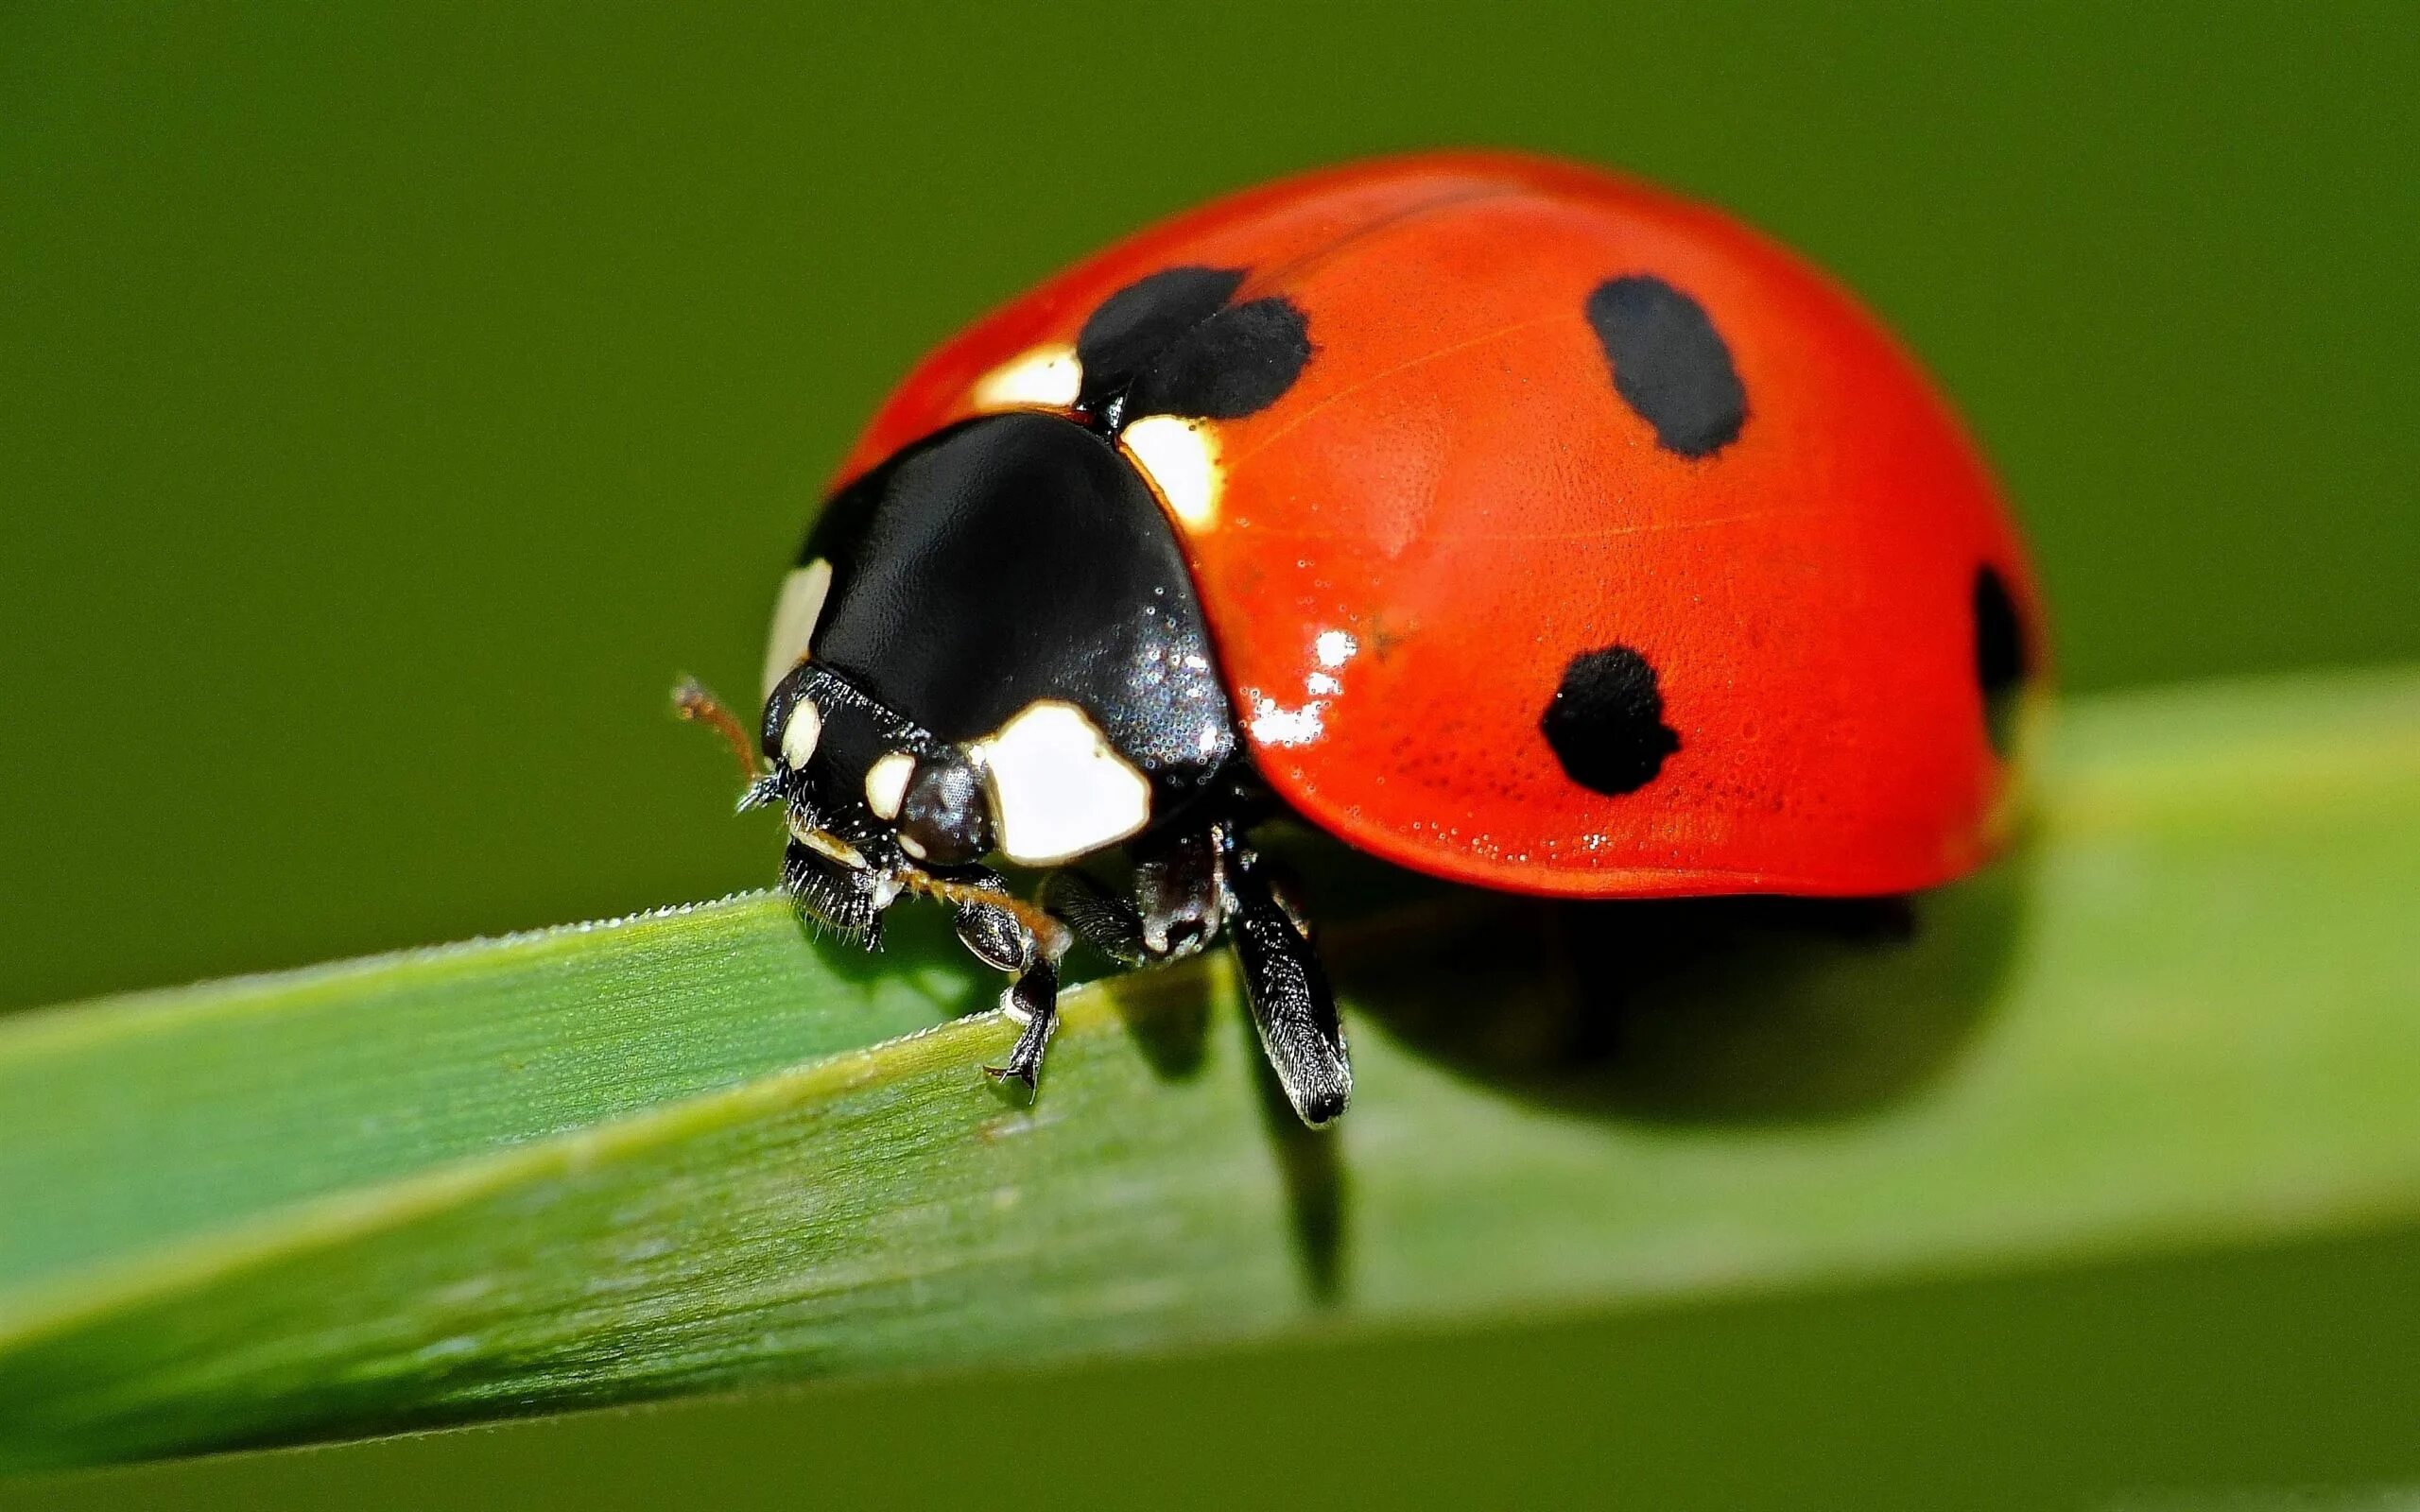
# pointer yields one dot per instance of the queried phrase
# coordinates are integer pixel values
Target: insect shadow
(1712, 1012)
(1708, 1010)
(1169, 1017)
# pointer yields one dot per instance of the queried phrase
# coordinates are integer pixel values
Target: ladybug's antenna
(691, 701)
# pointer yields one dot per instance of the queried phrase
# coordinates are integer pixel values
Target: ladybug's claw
(1034, 999)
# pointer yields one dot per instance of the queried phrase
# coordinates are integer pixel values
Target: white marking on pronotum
(887, 782)
(1059, 788)
(805, 727)
(1044, 378)
(794, 616)
(1181, 457)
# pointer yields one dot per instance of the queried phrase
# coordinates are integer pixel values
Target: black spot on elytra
(1239, 361)
(2003, 659)
(1670, 363)
(1170, 344)
(1142, 320)
(1606, 722)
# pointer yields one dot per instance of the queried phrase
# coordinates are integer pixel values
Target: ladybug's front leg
(1032, 999)
(1008, 936)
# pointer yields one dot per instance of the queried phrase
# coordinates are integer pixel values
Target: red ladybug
(1519, 524)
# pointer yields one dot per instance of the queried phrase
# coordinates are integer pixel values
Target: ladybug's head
(990, 644)
(864, 783)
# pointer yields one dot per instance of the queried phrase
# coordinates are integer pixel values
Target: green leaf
(697, 1149)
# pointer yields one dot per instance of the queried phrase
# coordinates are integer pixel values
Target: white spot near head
(805, 727)
(1275, 725)
(887, 782)
(1181, 457)
(1059, 788)
(794, 616)
(1334, 649)
(1044, 378)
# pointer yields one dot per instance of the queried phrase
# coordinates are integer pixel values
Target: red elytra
(1409, 547)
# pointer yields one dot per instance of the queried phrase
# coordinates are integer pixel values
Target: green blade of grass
(677, 1153)
(132, 1123)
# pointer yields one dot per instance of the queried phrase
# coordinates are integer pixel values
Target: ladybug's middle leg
(1178, 884)
(1291, 1004)
(1174, 911)
(1185, 889)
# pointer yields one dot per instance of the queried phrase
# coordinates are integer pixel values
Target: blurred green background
(394, 400)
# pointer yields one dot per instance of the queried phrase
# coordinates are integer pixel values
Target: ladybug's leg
(995, 929)
(1176, 893)
(1292, 1005)
(1100, 918)
(1033, 1000)
(1174, 911)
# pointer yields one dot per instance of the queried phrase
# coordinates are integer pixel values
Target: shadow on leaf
(1708, 1010)
(1310, 1165)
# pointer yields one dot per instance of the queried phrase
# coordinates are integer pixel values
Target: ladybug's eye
(942, 816)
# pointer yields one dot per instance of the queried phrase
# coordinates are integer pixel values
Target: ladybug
(1514, 522)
